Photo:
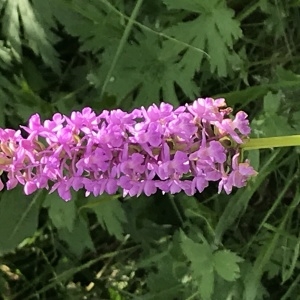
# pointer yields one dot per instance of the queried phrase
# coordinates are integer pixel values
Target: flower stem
(272, 142)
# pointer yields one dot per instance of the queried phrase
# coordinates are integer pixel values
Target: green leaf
(201, 258)
(18, 218)
(273, 123)
(199, 254)
(286, 75)
(61, 213)
(163, 283)
(148, 67)
(245, 96)
(5, 56)
(20, 15)
(33, 76)
(110, 214)
(272, 102)
(215, 31)
(25, 100)
(274, 247)
(190, 5)
(89, 21)
(79, 238)
(206, 285)
(11, 25)
(226, 264)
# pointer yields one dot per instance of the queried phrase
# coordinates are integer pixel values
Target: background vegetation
(62, 55)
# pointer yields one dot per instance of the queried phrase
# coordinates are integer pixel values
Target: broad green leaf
(62, 213)
(272, 102)
(79, 239)
(18, 218)
(226, 264)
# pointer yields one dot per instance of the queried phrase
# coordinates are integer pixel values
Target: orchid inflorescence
(159, 148)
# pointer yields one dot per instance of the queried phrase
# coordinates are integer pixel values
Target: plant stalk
(272, 142)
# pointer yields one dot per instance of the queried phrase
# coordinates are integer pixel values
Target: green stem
(272, 142)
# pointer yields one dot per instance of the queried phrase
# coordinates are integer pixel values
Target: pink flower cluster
(145, 150)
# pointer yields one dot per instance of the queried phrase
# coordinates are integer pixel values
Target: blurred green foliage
(62, 55)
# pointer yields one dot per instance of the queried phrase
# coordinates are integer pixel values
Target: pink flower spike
(145, 150)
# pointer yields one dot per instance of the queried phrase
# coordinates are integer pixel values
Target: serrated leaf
(61, 213)
(215, 30)
(87, 21)
(19, 14)
(199, 254)
(110, 215)
(18, 218)
(148, 67)
(226, 264)
(79, 238)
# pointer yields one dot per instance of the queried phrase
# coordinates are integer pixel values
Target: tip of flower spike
(158, 147)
